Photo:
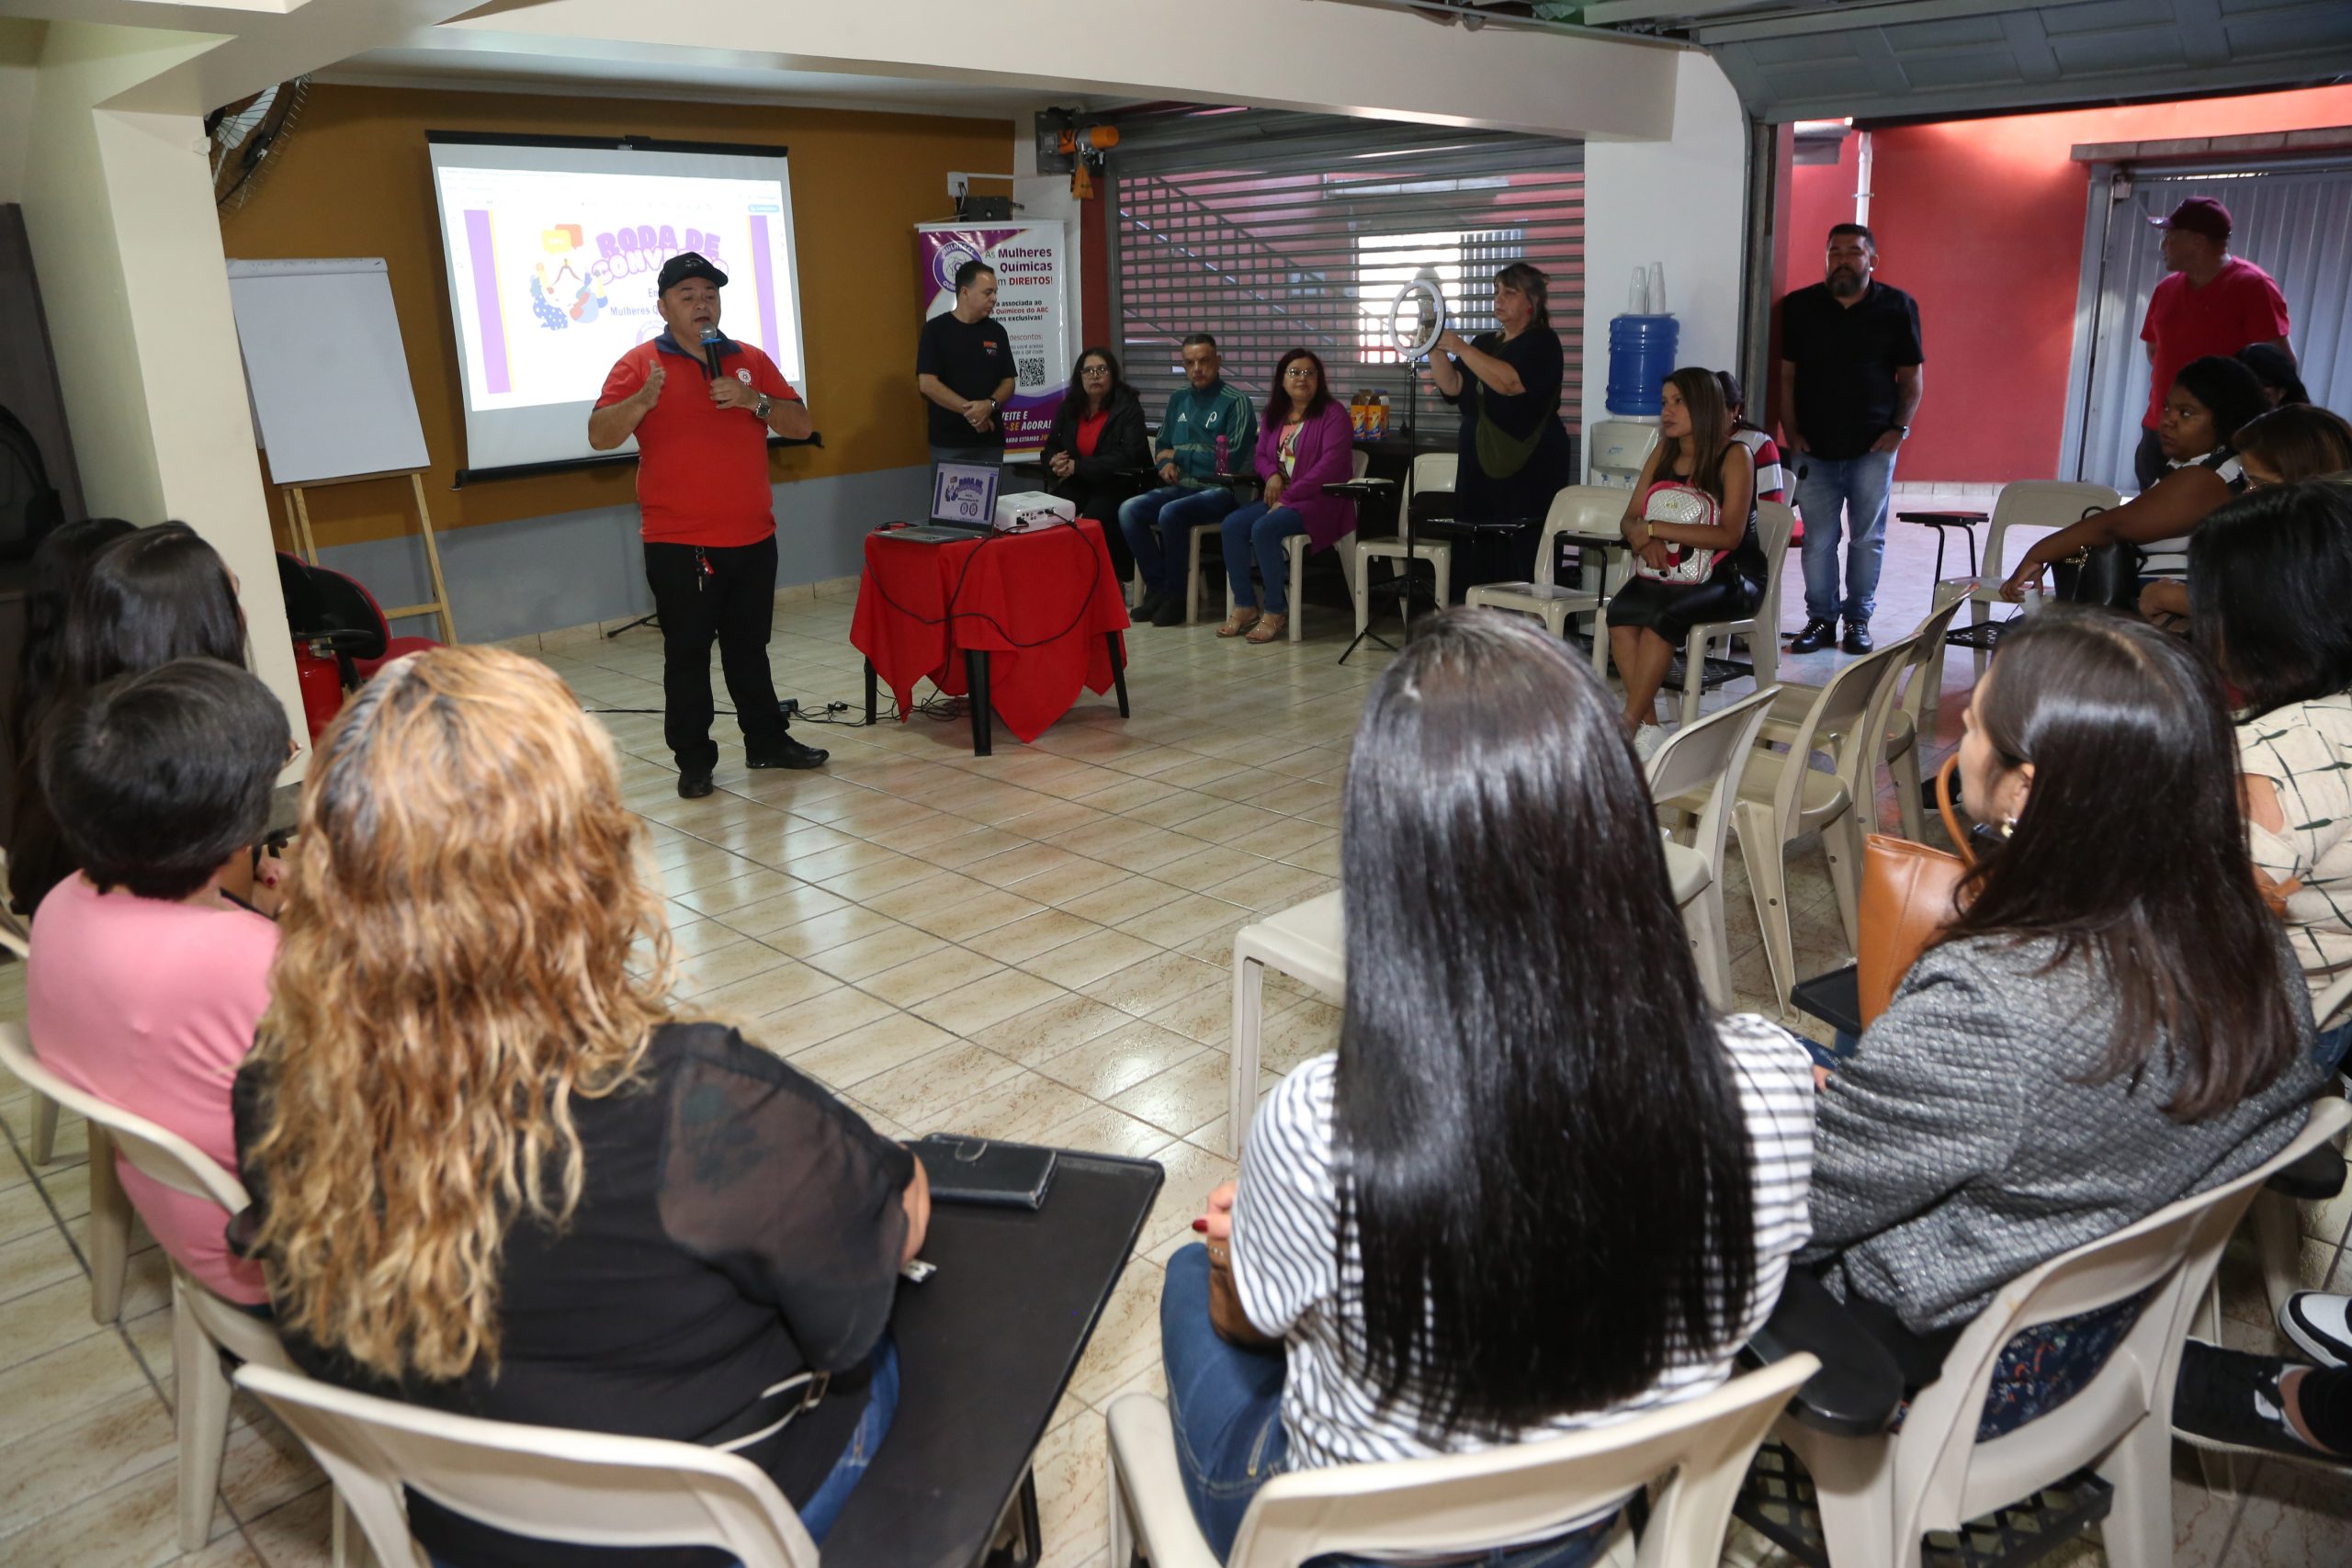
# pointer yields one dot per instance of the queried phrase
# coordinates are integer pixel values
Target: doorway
(2291, 218)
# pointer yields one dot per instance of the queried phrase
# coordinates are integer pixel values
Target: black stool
(1965, 521)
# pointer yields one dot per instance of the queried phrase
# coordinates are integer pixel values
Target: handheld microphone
(710, 351)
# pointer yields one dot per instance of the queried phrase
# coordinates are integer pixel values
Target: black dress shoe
(1151, 605)
(694, 784)
(1858, 637)
(1169, 612)
(788, 753)
(1817, 636)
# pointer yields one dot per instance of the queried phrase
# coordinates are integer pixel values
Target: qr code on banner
(1032, 369)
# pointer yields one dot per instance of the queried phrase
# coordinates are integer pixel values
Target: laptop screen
(965, 493)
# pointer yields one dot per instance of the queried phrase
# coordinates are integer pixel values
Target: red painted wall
(1981, 220)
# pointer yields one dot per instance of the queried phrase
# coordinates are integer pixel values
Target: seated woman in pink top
(1305, 442)
(151, 968)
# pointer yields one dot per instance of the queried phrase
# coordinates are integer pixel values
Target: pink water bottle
(1222, 466)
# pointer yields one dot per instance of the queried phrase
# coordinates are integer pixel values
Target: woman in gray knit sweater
(2114, 1022)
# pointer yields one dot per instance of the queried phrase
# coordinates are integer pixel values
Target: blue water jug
(1641, 357)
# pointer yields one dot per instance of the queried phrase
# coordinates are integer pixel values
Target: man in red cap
(702, 407)
(2210, 302)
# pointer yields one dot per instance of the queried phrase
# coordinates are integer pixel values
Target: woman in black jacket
(1097, 437)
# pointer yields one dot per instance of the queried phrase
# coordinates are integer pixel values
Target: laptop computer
(963, 505)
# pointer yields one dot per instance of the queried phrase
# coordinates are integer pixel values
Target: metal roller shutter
(1273, 231)
(2294, 221)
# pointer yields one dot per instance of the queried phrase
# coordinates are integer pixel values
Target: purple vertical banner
(763, 281)
(487, 315)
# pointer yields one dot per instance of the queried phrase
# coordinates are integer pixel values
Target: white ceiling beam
(1370, 61)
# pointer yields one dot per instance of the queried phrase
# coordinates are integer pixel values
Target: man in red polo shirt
(2210, 302)
(708, 515)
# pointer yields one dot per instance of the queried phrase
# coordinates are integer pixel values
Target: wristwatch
(762, 407)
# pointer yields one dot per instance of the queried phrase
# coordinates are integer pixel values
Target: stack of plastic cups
(1642, 344)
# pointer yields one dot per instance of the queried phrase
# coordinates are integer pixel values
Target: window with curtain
(1273, 231)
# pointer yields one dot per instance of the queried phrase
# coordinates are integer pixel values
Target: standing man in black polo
(964, 368)
(1850, 385)
(708, 514)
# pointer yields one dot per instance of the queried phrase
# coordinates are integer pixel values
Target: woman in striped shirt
(1541, 1186)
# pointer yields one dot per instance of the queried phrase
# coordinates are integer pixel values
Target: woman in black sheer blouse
(493, 1173)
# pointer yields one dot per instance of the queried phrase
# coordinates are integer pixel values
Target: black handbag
(2100, 574)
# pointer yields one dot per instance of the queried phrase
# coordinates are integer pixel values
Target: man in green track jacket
(1201, 417)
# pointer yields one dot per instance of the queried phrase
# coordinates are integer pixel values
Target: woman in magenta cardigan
(1305, 442)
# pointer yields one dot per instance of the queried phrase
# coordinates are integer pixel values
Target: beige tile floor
(1030, 947)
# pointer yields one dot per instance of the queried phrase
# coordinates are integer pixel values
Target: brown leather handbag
(1909, 893)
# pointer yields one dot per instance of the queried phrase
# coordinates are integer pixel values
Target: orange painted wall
(355, 182)
(1982, 221)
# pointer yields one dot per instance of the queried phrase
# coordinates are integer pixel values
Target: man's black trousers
(727, 594)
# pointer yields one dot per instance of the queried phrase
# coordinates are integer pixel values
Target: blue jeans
(1225, 1401)
(1858, 488)
(824, 1506)
(1162, 559)
(2329, 1048)
(1258, 531)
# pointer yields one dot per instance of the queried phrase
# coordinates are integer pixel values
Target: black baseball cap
(687, 264)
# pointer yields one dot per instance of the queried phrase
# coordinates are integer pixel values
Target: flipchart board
(331, 392)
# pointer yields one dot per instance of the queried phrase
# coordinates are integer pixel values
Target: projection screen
(552, 245)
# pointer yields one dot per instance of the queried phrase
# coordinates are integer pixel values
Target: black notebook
(982, 1170)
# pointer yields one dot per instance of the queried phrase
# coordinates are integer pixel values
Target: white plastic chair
(1783, 797)
(16, 940)
(1760, 626)
(588, 1488)
(1910, 717)
(1306, 941)
(1586, 510)
(1192, 568)
(202, 1324)
(2278, 1218)
(1294, 551)
(2023, 503)
(1880, 1495)
(1710, 756)
(1435, 472)
(1461, 1502)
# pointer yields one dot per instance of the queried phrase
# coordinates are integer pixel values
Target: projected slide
(553, 252)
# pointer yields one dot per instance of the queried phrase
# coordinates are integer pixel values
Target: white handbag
(1683, 506)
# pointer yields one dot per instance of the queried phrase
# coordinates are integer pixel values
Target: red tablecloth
(1038, 604)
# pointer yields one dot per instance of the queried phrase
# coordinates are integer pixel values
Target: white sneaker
(2320, 1323)
(1647, 739)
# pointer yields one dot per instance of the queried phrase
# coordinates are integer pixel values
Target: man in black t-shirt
(963, 367)
(1849, 384)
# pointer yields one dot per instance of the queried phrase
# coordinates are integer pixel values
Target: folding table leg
(1118, 671)
(870, 693)
(976, 675)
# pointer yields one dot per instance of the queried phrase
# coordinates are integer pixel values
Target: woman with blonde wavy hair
(492, 1174)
